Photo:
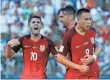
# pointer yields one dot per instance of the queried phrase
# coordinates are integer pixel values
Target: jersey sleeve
(64, 48)
(66, 44)
(52, 47)
(17, 48)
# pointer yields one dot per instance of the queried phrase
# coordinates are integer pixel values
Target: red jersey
(78, 46)
(36, 55)
(66, 44)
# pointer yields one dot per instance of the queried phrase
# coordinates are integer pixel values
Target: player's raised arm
(9, 47)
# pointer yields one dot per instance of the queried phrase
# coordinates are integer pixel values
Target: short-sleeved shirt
(79, 46)
(36, 55)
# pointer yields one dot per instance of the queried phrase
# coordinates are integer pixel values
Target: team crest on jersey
(42, 48)
(92, 40)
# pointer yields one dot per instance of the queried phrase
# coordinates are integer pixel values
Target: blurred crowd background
(14, 16)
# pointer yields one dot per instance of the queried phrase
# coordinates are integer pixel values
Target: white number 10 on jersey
(33, 56)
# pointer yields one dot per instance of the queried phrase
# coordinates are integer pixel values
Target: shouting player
(36, 49)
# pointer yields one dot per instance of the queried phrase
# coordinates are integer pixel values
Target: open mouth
(35, 28)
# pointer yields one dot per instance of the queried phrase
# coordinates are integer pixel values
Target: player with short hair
(83, 45)
(67, 17)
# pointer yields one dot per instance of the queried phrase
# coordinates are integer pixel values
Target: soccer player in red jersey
(67, 47)
(83, 44)
(36, 49)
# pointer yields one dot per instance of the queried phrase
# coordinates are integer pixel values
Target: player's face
(35, 26)
(63, 18)
(85, 20)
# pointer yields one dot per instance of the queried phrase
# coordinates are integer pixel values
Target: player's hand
(13, 42)
(87, 59)
(84, 68)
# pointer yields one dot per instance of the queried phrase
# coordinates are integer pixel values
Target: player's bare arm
(10, 44)
(62, 59)
(97, 50)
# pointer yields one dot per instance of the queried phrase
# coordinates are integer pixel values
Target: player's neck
(35, 37)
(80, 30)
(71, 24)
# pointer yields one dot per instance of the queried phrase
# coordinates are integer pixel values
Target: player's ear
(68, 17)
(77, 18)
(41, 24)
(79, 21)
(71, 17)
(28, 25)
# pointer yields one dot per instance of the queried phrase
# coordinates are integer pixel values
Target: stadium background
(14, 15)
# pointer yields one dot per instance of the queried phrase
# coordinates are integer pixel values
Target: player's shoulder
(24, 37)
(43, 37)
(49, 41)
(71, 32)
(46, 38)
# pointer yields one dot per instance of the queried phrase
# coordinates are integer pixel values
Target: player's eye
(61, 16)
(38, 21)
(33, 21)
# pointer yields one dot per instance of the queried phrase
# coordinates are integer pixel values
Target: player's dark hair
(62, 9)
(70, 10)
(34, 16)
(82, 10)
